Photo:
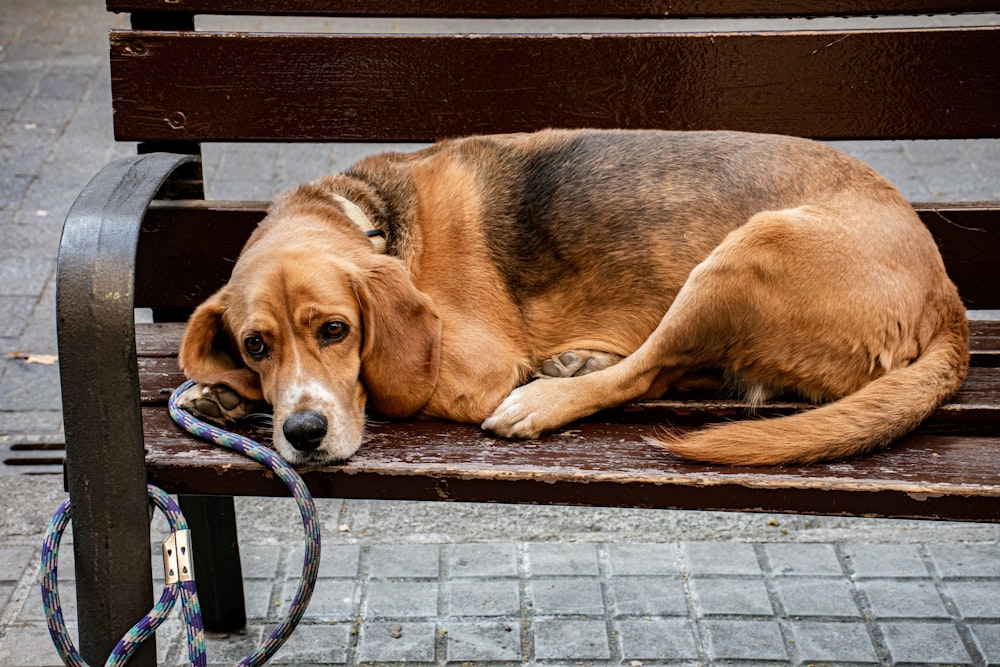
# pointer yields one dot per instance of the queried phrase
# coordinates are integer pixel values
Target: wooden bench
(141, 235)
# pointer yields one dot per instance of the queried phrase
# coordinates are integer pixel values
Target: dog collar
(361, 221)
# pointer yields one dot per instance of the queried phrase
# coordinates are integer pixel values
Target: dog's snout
(305, 430)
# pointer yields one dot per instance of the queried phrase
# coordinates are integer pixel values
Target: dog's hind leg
(741, 309)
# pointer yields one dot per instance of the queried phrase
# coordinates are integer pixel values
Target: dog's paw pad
(215, 403)
(573, 363)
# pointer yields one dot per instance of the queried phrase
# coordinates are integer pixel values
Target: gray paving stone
(404, 560)
(337, 560)
(730, 596)
(720, 558)
(816, 597)
(34, 422)
(23, 276)
(5, 591)
(966, 560)
(402, 599)
(34, 611)
(553, 558)
(13, 560)
(315, 644)
(30, 646)
(260, 561)
(229, 649)
(332, 600)
(643, 559)
(987, 638)
(575, 595)
(483, 641)
(648, 596)
(478, 597)
(258, 596)
(14, 314)
(744, 640)
(571, 640)
(29, 387)
(38, 241)
(657, 639)
(482, 560)
(885, 560)
(975, 599)
(925, 643)
(397, 641)
(904, 599)
(806, 559)
(13, 187)
(817, 641)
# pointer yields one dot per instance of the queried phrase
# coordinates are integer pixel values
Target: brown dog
(611, 263)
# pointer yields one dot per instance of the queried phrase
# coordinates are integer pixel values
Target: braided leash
(185, 589)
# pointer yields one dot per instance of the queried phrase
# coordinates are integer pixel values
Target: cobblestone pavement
(436, 583)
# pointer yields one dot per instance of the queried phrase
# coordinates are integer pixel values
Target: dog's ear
(207, 353)
(401, 353)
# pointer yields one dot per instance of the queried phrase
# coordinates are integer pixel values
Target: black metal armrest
(106, 473)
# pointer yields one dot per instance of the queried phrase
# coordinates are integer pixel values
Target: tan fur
(779, 261)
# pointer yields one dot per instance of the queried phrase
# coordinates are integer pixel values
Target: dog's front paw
(535, 408)
(217, 403)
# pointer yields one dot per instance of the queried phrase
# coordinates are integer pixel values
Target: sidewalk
(436, 583)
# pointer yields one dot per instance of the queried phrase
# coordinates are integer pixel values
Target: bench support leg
(217, 569)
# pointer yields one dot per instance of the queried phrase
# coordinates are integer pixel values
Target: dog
(524, 281)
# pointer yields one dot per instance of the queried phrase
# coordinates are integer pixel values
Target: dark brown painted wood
(948, 469)
(600, 463)
(935, 83)
(975, 409)
(554, 8)
(163, 340)
(187, 249)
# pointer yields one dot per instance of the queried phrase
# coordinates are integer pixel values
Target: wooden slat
(163, 340)
(554, 8)
(932, 83)
(947, 469)
(975, 409)
(600, 463)
(187, 249)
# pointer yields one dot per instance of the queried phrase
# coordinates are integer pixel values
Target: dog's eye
(334, 331)
(255, 347)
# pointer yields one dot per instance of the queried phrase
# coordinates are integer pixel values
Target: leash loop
(177, 561)
(141, 631)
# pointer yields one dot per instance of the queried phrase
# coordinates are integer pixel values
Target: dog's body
(611, 263)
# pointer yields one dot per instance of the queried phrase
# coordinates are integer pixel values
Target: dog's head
(317, 324)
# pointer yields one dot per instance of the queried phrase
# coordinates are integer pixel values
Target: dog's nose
(305, 430)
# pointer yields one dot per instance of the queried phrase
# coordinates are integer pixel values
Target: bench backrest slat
(883, 84)
(555, 8)
(179, 272)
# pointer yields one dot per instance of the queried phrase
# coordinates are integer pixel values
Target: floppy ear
(401, 354)
(207, 353)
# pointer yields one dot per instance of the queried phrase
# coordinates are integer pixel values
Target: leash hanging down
(184, 587)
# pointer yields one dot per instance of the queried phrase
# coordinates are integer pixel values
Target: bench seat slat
(186, 86)
(163, 340)
(976, 408)
(196, 244)
(600, 463)
(552, 8)
(933, 473)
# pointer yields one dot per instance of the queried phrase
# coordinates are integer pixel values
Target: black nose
(305, 430)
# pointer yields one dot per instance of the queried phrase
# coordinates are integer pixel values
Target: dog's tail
(871, 418)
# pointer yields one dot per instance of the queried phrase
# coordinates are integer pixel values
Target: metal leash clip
(177, 557)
